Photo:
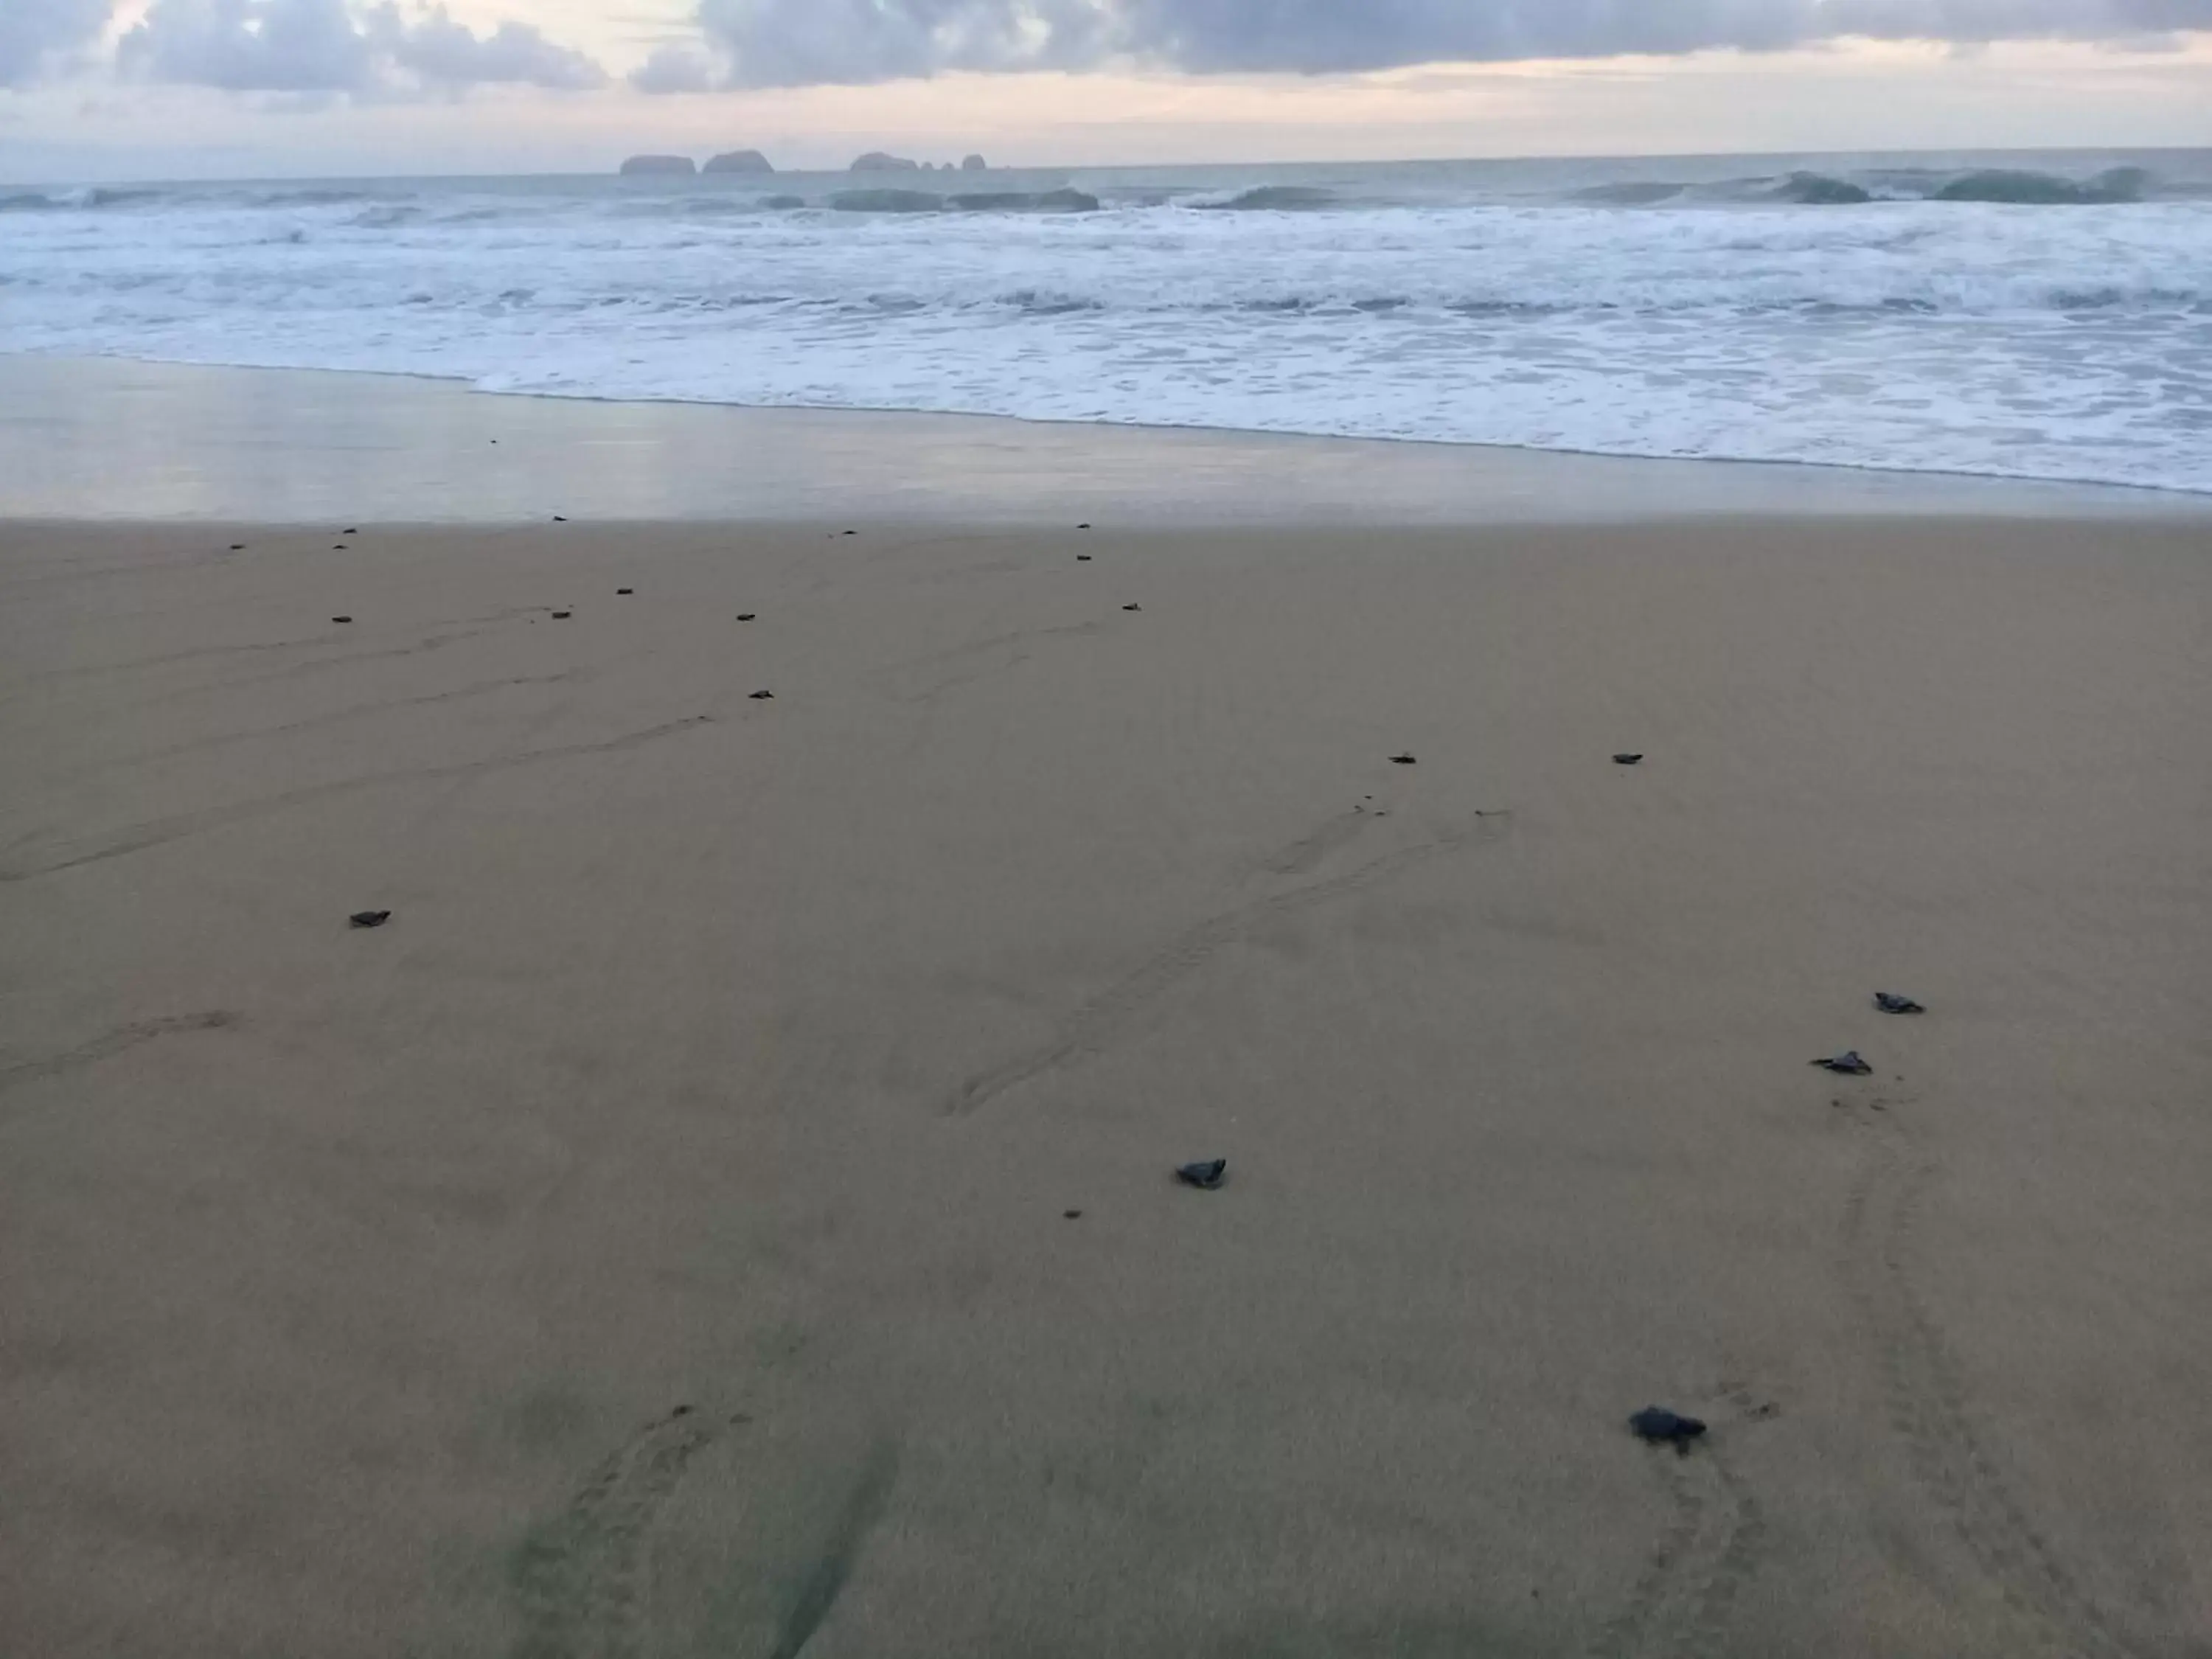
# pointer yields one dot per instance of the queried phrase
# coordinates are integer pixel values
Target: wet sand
(107, 439)
(655, 1240)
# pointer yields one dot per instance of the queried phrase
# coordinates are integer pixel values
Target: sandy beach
(727, 1209)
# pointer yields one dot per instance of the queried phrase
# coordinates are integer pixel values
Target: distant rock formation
(681, 164)
(1018, 201)
(739, 161)
(885, 201)
(876, 161)
(974, 164)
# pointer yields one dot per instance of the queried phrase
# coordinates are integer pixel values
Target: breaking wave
(2051, 318)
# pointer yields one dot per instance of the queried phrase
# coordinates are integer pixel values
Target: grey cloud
(250, 45)
(325, 46)
(35, 33)
(2014, 20)
(674, 69)
(440, 51)
(1317, 36)
(800, 42)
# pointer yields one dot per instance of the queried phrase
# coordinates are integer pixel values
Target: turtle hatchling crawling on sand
(1660, 1426)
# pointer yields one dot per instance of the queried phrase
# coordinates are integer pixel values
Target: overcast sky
(117, 88)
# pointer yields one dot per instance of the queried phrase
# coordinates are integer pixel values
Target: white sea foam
(2063, 341)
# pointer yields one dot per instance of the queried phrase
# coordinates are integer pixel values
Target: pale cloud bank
(38, 35)
(289, 45)
(788, 43)
(349, 46)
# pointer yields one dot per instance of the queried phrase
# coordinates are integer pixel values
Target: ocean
(2042, 316)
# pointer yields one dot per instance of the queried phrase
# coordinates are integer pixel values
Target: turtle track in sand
(583, 1581)
(1097, 1022)
(1931, 1410)
(114, 1043)
(1682, 1602)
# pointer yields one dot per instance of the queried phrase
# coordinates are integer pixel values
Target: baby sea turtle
(620, 591)
(1848, 1063)
(762, 697)
(369, 918)
(1132, 607)
(1661, 1427)
(747, 616)
(562, 616)
(1403, 760)
(1896, 1004)
(1626, 760)
(342, 619)
(1083, 558)
(1204, 1176)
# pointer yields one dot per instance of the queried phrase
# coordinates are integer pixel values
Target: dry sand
(743, 1056)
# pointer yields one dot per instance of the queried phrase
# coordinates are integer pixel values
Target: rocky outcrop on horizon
(659, 164)
(877, 162)
(974, 164)
(739, 160)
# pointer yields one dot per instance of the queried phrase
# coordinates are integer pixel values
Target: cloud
(444, 52)
(803, 42)
(674, 69)
(35, 33)
(250, 45)
(327, 46)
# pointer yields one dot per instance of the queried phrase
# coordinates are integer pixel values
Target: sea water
(2040, 316)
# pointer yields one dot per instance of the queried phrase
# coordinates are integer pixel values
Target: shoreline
(356, 444)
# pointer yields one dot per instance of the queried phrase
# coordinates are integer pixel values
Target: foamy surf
(1978, 315)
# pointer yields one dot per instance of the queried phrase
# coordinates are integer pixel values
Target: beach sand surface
(659, 1237)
